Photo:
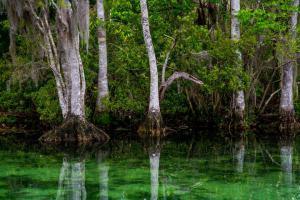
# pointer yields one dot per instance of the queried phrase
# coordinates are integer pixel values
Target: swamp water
(202, 167)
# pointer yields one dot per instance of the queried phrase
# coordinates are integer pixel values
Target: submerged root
(152, 127)
(75, 130)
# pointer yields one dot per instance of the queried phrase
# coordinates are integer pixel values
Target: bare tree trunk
(43, 27)
(154, 114)
(68, 40)
(286, 100)
(103, 91)
(239, 99)
(66, 65)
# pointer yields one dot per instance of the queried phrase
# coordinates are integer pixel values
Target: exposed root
(75, 130)
(152, 127)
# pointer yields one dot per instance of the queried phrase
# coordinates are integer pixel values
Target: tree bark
(68, 40)
(286, 99)
(154, 107)
(239, 97)
(83, 13)
(103, 91)
(66, 65)
(14, 13)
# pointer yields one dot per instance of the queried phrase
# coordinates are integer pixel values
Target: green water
(196, 168)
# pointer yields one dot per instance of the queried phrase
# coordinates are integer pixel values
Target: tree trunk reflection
(103, 174)
(286, 156)
(72, 180)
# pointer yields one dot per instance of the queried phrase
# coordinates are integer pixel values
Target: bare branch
(177, 75)
(269, 99)
(163, 73)
(36, 19)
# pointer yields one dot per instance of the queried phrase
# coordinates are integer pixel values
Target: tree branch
(267, 102)
(177, 75)
(163, 73)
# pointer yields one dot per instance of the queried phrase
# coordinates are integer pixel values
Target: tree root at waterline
(238, 121)
(75, 130)
(152, 127)
(287, 122)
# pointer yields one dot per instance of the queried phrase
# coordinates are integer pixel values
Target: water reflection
(153, 148)
(207, 168)
(72, 179)
(286, 157)
(239, 154)
(103, 174)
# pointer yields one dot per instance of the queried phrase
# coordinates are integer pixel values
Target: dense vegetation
(197, 37)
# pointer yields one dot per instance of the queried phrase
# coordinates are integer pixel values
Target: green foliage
(46, 103)
(264, 34)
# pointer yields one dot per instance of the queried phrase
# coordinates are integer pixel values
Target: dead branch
(177, 75)
(269, 99)
(163, 73)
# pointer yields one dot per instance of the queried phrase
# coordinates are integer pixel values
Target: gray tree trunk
(103, 91)
(239, 97)
(64, 61)
(154, 107)
(68, 40)
(286, 100)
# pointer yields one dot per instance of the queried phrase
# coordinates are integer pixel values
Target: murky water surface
(197, 168)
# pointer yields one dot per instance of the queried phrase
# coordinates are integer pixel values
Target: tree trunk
(14, 13)
(239, 99)
(83, 13)
(66, 65)
(286, 100)
(102, 75)
(154, 115)
(68, 41)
